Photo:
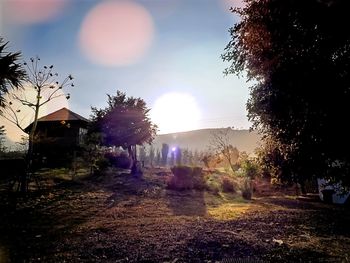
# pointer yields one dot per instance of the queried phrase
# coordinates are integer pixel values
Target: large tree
(125, 123)
(298, 54)
(11, 71)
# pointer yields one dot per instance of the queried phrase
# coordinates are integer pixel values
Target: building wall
(57, 141)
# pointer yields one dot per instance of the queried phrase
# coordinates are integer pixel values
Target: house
(58, 135)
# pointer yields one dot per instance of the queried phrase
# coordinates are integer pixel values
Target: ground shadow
(32, 226)
(186, 203)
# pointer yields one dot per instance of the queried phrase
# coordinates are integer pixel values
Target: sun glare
(175, 112)
(116, 33)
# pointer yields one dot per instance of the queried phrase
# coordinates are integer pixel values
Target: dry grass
(120, 218)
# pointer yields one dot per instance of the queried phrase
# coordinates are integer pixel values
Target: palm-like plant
(11, 72)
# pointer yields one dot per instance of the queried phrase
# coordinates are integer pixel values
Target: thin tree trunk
(29, 158)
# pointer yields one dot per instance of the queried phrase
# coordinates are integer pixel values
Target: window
(82, 133)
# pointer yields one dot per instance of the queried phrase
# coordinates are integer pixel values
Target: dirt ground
(120, 218)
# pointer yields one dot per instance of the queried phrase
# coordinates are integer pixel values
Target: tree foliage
(298, 54)
(11, 71)
(124, 122)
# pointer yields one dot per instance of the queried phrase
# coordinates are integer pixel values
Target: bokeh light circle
(33, 11)
(116, 33)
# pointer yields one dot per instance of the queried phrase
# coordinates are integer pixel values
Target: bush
(247, 189)
(102, 163)
(186, 178)
(119, 160)
(122, 161)
(228, 185)
(213, 183)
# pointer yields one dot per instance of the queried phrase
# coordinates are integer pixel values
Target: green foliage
(249, 166)
(91, 150)
(299, 62)
(213, 183)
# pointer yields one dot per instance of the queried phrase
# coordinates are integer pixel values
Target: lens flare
(116, 33)
(33, 11)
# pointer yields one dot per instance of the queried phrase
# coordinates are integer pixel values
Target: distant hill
(199, 140)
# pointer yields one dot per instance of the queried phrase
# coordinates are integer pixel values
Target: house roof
(60, 115)
(63, 115)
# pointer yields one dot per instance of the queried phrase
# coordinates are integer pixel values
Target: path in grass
(119, 218)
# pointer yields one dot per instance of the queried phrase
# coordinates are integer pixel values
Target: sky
(165, 51)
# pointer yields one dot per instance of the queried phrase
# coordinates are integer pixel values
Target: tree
(221, 146)
(11, 72)
(43, 82)
(2, 139)
(124, 122)
(151, 155)
(142, 155)
(165, 152)
(158, 158)
(299, 62)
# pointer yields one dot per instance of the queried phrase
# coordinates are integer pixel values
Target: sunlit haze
(165, 52)
(176, 112)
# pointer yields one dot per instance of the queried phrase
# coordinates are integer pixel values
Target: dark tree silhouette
(124, 122)
(2, 138)
(165, 152)
(44, 83)
(298, 54)
(11, 72)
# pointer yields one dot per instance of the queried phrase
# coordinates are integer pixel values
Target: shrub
(228, 185)
(213, 183)
(251, 168)
(186, 178)
(122, 161)
(247, 189)
(119, 160)
(102, 163)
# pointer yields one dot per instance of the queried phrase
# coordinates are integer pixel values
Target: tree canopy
(11, 71)
(124, 122)
(298, 54)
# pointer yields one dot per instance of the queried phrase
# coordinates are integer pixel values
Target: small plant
(213, 183)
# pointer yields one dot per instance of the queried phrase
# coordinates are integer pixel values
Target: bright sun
(175, 112)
